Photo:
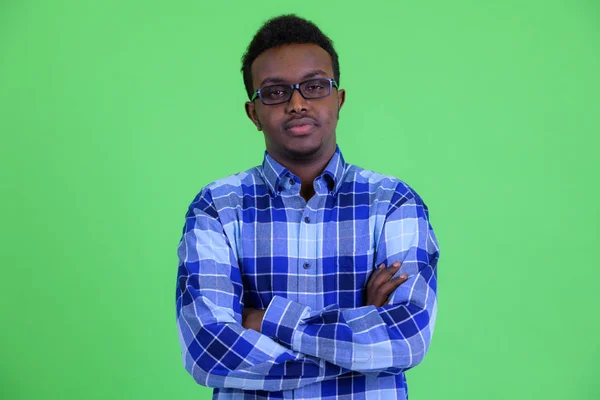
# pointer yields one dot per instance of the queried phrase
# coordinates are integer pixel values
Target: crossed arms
(297, 346)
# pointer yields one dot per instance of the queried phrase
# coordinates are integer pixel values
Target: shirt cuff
(282, 318)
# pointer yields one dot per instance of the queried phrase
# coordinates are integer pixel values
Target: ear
(341, 98)
(251, 113)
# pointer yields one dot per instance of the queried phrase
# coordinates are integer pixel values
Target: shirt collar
(333, 174)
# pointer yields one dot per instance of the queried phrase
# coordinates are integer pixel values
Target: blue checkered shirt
(251, 240)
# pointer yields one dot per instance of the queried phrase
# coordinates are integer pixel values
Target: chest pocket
(351, 247)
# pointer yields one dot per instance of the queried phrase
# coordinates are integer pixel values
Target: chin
(304, 151)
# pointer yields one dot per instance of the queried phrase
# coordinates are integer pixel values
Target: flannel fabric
(251, 240)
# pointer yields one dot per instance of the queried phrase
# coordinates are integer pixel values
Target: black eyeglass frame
(332, 84)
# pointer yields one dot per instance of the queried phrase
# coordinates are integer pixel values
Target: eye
(315, 87)
(275, 92)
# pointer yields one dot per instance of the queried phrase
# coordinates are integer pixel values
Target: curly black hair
(281, 30)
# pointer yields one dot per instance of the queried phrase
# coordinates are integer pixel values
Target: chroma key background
(113, 115)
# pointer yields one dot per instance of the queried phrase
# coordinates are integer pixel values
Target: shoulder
(385, 187)
(390, 195)
(230, 190)
(235, 183)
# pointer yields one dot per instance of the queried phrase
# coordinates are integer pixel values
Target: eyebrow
(275, 80)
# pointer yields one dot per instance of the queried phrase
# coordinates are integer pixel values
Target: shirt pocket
(349, 277)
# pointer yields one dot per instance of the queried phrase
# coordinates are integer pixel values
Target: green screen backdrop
(113, 115)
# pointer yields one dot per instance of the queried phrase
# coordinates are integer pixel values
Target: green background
(114, 114)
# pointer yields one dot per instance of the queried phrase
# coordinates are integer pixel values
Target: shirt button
(307, 220)
(306, 265)
(292, 181)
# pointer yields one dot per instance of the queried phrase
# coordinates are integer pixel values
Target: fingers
(392, 269)
(375, 274)
(387, 288)
(391, 285)
(381, 284)
(384, 274)
(395, 267)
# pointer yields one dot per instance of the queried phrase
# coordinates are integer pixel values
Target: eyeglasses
(310, 90)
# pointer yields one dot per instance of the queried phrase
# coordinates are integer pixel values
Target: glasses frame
(295, 86)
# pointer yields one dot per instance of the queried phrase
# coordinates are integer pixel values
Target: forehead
(290, 63)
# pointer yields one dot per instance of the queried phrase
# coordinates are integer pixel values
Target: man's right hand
(380, 286)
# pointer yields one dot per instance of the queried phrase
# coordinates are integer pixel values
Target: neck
(307, 170)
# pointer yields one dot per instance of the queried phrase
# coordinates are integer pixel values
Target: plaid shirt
(252, 240)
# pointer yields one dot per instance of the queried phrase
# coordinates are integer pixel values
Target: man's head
(289, 50)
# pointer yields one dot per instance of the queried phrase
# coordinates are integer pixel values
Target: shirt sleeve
(216, 350)
(370, 340)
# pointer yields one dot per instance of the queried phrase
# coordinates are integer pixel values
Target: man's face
(300, 129)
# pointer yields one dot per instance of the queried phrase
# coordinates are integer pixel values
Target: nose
(297, 103)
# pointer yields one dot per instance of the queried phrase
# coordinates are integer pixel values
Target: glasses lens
(315, 88)
(275, 94)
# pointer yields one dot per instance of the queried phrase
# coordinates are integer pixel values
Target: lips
(300, 125)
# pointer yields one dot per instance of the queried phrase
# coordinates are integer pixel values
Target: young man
(305, 277)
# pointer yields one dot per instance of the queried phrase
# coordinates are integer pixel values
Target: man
(305, 277)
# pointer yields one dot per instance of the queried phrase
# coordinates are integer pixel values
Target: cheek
(330, 117)
(333, 109)
(270, 119)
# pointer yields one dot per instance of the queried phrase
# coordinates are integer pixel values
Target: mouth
(301, 129)
(301, 126)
